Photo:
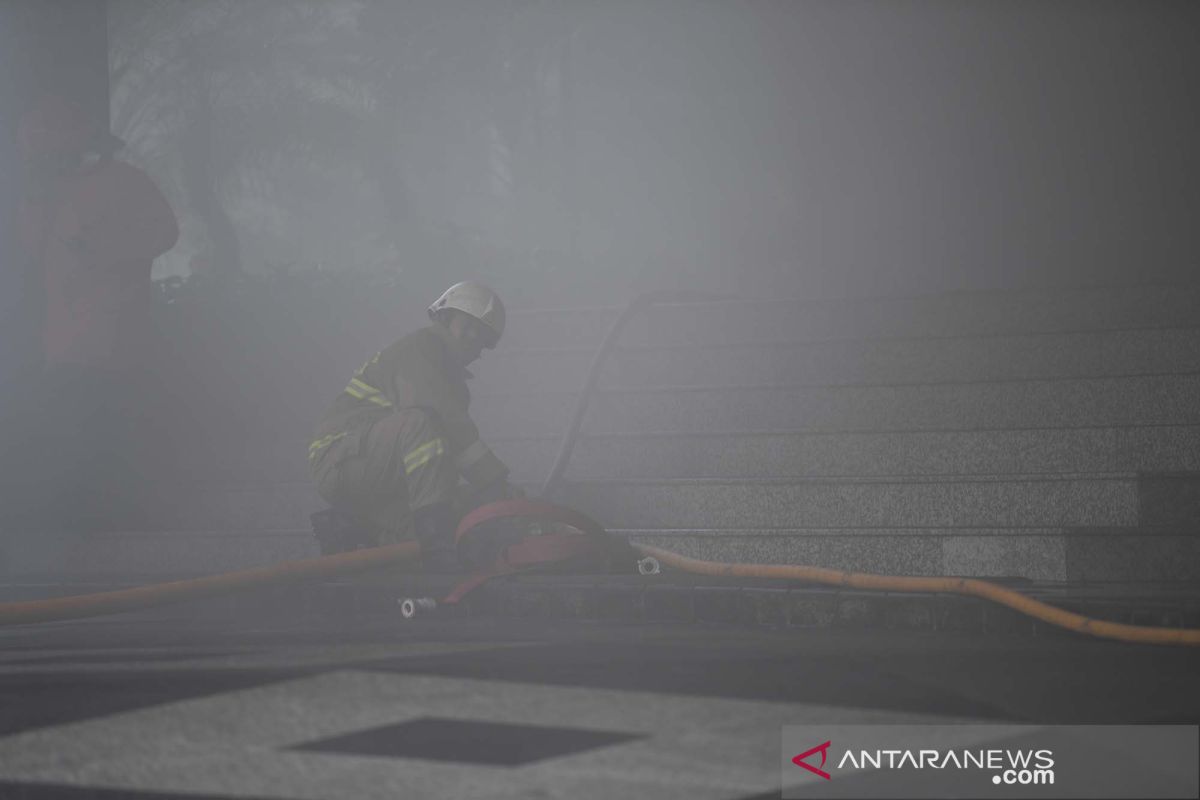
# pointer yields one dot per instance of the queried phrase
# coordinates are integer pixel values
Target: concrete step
(761, 454)
(1101, 402)
(1151, 449)
(939, 501)
(1079, 501)
(765, 455)
(1043, 554)
(1062, 355)
(1170, 498)
(771, 319)
(1082, 500)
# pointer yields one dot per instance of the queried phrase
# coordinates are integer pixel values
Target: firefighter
(391, 448)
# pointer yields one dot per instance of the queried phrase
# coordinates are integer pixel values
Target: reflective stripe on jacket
(414, 372)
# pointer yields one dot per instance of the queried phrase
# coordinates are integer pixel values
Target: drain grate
(468, 742)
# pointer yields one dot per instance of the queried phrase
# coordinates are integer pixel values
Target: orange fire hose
(91, 605)
(965, 586)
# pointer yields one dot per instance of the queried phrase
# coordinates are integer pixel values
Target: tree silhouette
(444, 128)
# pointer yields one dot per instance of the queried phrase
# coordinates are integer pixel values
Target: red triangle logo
(800, 762)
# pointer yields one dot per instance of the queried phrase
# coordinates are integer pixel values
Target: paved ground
(161, 705)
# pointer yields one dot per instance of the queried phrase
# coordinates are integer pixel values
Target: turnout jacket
(416, 371)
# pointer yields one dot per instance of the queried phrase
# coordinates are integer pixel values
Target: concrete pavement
(167, 705)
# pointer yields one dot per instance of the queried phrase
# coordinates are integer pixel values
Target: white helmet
(477, 300)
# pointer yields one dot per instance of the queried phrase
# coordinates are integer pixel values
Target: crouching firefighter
(388, 453)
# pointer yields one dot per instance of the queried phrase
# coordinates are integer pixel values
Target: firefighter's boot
(433, 527)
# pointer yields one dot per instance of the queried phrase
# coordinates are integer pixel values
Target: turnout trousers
(400, 464)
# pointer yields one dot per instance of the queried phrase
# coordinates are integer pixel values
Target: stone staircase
(1051, 434)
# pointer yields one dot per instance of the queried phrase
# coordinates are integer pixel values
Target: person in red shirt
(91, 227)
